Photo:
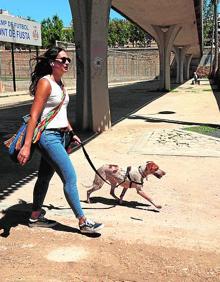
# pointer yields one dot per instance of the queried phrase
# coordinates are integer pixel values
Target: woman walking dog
(49, 91)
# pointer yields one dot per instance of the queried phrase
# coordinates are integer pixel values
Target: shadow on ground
(216, 93)
(113, 203)
(124, 100)
(159, 120)
(19, 214)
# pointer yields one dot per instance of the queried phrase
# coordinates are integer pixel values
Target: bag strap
(51, 115)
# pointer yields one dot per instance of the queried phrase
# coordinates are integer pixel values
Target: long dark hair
(43, 66)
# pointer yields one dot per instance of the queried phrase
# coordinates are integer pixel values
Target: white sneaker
(90, 226)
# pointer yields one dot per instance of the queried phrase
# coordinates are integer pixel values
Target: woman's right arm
(42, 93)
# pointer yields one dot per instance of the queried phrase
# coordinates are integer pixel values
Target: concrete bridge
(175, 25)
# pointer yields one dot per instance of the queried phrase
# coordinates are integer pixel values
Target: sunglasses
(63, 60)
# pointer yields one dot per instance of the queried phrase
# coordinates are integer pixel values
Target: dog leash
(92, 165)
(127, 175)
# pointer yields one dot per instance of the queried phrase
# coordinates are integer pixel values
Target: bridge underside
(175, 25)
(150, 13)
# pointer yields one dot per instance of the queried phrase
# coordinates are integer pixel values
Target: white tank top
(60, 120)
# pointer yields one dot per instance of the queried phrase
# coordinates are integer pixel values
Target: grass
(206, 130)
(173, 90)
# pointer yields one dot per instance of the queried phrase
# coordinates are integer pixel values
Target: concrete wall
(132, 64)
(123, 65)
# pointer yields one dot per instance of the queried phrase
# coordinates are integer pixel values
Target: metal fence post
(13, 66)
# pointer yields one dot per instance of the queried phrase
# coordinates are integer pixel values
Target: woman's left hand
(76, 140)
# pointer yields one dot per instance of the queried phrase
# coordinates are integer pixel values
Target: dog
(131, 177)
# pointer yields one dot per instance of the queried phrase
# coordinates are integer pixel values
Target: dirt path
(179, 243)
(49, 256)
(138, 243)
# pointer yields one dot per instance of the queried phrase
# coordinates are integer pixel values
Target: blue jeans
(54, 158)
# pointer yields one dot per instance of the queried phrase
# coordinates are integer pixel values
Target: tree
(118, 33)
(215, 65)
(51, 30)
(121, 32)
(208, 13)
(68, 34)
(138, 37)
(210, 30)
(112, 35)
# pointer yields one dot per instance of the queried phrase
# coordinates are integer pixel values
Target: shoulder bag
(15, 143)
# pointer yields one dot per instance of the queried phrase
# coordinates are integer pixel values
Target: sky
(42, 9)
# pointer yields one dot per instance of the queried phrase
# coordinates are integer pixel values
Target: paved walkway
(155, 129)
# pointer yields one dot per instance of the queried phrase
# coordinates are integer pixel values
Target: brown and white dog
(131, 177)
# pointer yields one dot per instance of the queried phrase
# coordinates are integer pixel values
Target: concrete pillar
(90, 19)
(187, 66)
(177, 59)
(180, 52)
(165, 36)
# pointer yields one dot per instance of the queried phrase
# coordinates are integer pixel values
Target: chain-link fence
(122, 66)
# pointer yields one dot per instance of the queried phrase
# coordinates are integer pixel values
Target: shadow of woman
(14, 216)
(19, 215)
